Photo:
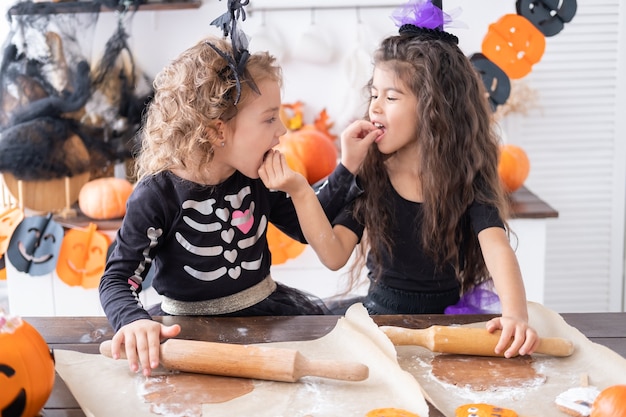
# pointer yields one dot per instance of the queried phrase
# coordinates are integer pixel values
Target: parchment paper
(355, 338)
(603, 367)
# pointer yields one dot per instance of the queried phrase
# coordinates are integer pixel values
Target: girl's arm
(333, 245)
(507, 277)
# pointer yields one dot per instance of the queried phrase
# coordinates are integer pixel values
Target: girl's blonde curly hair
(192, 93)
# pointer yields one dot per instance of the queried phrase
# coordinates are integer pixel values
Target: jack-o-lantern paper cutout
(514, 44)
(547, 15)
(9, 220)
(82, 257)
(26, 369)
(35, 245)
(495, 80)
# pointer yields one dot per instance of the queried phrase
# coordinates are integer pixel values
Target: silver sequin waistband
(222, 305)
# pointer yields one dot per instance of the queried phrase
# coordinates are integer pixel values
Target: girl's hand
(355, 141)
(141, 341)
(276, 174)
(525, 339)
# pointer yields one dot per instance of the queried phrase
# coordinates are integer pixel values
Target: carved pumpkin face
(82, 257)
(35, 245)
(26, 369)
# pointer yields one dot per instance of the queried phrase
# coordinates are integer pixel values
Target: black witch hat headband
(424, 19)
(239, 42)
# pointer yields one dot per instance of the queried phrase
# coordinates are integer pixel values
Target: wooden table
(84, 334)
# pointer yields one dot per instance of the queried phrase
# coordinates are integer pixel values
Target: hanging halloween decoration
(35, 245)
(26, 368)
(120, 93)
(59, 118)
(82, 257)
(516, 42)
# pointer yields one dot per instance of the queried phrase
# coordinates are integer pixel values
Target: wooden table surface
(85, 334)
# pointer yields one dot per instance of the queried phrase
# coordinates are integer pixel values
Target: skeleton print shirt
(203, 242)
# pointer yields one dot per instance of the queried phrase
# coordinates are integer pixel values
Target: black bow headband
(239, 42)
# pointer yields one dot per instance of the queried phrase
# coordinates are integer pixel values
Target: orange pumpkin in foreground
(611, 402)
(513, 167)
(105, 198)
(26, 368)
(315, 149)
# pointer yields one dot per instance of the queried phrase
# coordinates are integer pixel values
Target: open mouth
(382, 128)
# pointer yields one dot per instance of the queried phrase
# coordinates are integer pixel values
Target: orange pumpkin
(26, 368)
(314, 149)
(611, 402)
(513, 167)
(282, 246)
(105, 198)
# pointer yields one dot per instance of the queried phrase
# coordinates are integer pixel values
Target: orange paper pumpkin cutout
(83, 257)
(514, 44)
(483, 410)
(9, 220)
(26, 368)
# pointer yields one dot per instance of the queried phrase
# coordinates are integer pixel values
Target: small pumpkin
(513, 167)
(314, 149)
(26, 368)
(105, 198)
(611, 402)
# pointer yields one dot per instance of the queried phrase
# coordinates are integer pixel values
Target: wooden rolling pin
(467, 340)
(246, 361)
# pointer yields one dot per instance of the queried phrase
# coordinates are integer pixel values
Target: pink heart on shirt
(246, 225)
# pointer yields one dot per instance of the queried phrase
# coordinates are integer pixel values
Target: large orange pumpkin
(105, 198)
(513, 167)
(611, 402)
(314, 149)
(26, 369)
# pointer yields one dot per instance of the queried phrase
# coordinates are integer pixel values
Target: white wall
(158, 36)
(585, 244)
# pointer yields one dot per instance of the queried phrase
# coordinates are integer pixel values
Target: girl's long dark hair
(458, 157)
